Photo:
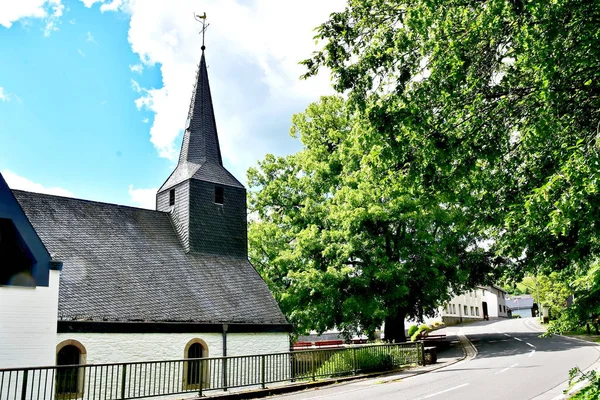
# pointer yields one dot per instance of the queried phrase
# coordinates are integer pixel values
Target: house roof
(519, 303)
(200, 156)
(127, 264)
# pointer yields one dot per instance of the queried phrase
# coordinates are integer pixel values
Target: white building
(472, 305)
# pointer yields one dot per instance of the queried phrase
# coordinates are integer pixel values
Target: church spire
(200, 156)
(200, 140)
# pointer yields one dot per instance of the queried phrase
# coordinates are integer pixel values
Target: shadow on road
(491, 345)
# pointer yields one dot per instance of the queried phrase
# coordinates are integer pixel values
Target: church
(89, 282)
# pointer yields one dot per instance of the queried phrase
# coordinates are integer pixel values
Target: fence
(161, 378)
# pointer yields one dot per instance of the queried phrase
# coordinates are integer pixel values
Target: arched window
(69, 379)
(197, 370)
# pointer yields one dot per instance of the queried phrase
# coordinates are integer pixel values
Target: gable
(24, 260)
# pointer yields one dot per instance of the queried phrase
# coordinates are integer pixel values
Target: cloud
(48, 10)
(90, 38)
(113, 5)
(136, 86)
(253, 50)
(81, 53)
(18, 182)
(145, 120)
(137, 68)
(145, 198)
(3, 95)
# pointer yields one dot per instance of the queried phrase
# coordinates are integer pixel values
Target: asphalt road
(512, 363)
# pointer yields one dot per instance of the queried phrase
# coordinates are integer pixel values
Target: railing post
(262, 370)
(422, 352)
(201, 378)
(224, 374)
(123, 380)
(292, 366)
(354, 358)
(312, 365)
(24, 385)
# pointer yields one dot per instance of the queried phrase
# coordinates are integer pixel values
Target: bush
(591, 391)
(422, 330)
(367, 359)
(516, 316)
(412, 329)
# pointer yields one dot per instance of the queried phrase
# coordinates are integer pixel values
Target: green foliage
(343, 363)
(589, 392)
(412, 329)
(491, 106)
(516, 316)
(366, 359)
(345, 238)
(423, 329)
(585, 308)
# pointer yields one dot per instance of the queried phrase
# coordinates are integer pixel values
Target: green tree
(345, 238)
(494, 103)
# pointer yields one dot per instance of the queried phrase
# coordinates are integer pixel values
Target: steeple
(200, 140)
(200, 156)
(206, 203)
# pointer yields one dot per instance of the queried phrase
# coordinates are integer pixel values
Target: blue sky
(93, 94)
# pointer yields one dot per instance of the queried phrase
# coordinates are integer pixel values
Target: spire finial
(202, 20)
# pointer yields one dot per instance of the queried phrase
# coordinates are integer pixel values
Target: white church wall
(28, 324)
(102, 348)
(131, 347)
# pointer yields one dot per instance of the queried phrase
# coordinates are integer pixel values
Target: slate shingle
(127, 264)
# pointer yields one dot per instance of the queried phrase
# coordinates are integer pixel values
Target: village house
(90, 282)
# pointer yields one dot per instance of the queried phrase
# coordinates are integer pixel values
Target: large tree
(346, 238)
(489, 101)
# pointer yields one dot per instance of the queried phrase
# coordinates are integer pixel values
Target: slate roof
(127, 264)
(200, 156)
(519, 303)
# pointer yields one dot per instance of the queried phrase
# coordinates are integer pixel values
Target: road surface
(512, 362)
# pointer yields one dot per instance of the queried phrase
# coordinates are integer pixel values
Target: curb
(260, 393)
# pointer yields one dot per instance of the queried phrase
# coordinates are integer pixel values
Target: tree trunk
(394, 328)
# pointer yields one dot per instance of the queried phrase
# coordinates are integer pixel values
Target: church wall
(131, 347)
(28, 320)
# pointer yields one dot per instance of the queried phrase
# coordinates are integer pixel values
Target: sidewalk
(459, 349)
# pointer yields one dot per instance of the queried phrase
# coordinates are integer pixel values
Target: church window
(195, 370)
(172, 197)
(15, 258)
(69, 377)
(219, 195)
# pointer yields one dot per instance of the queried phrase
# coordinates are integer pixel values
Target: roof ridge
(87, 201)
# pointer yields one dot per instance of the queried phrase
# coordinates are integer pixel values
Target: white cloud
(253, 50)
(89, 3)
(145, 198)
(136, 86)
(145, 120)
(81, 53)
(3, 95)
(18, 182)
(90, 38)
(137, 68)
(48, 10)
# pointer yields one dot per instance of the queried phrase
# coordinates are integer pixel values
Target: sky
(94, 93)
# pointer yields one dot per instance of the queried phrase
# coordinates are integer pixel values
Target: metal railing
(162, 378)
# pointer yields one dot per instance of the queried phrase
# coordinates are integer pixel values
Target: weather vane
(202, 20)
